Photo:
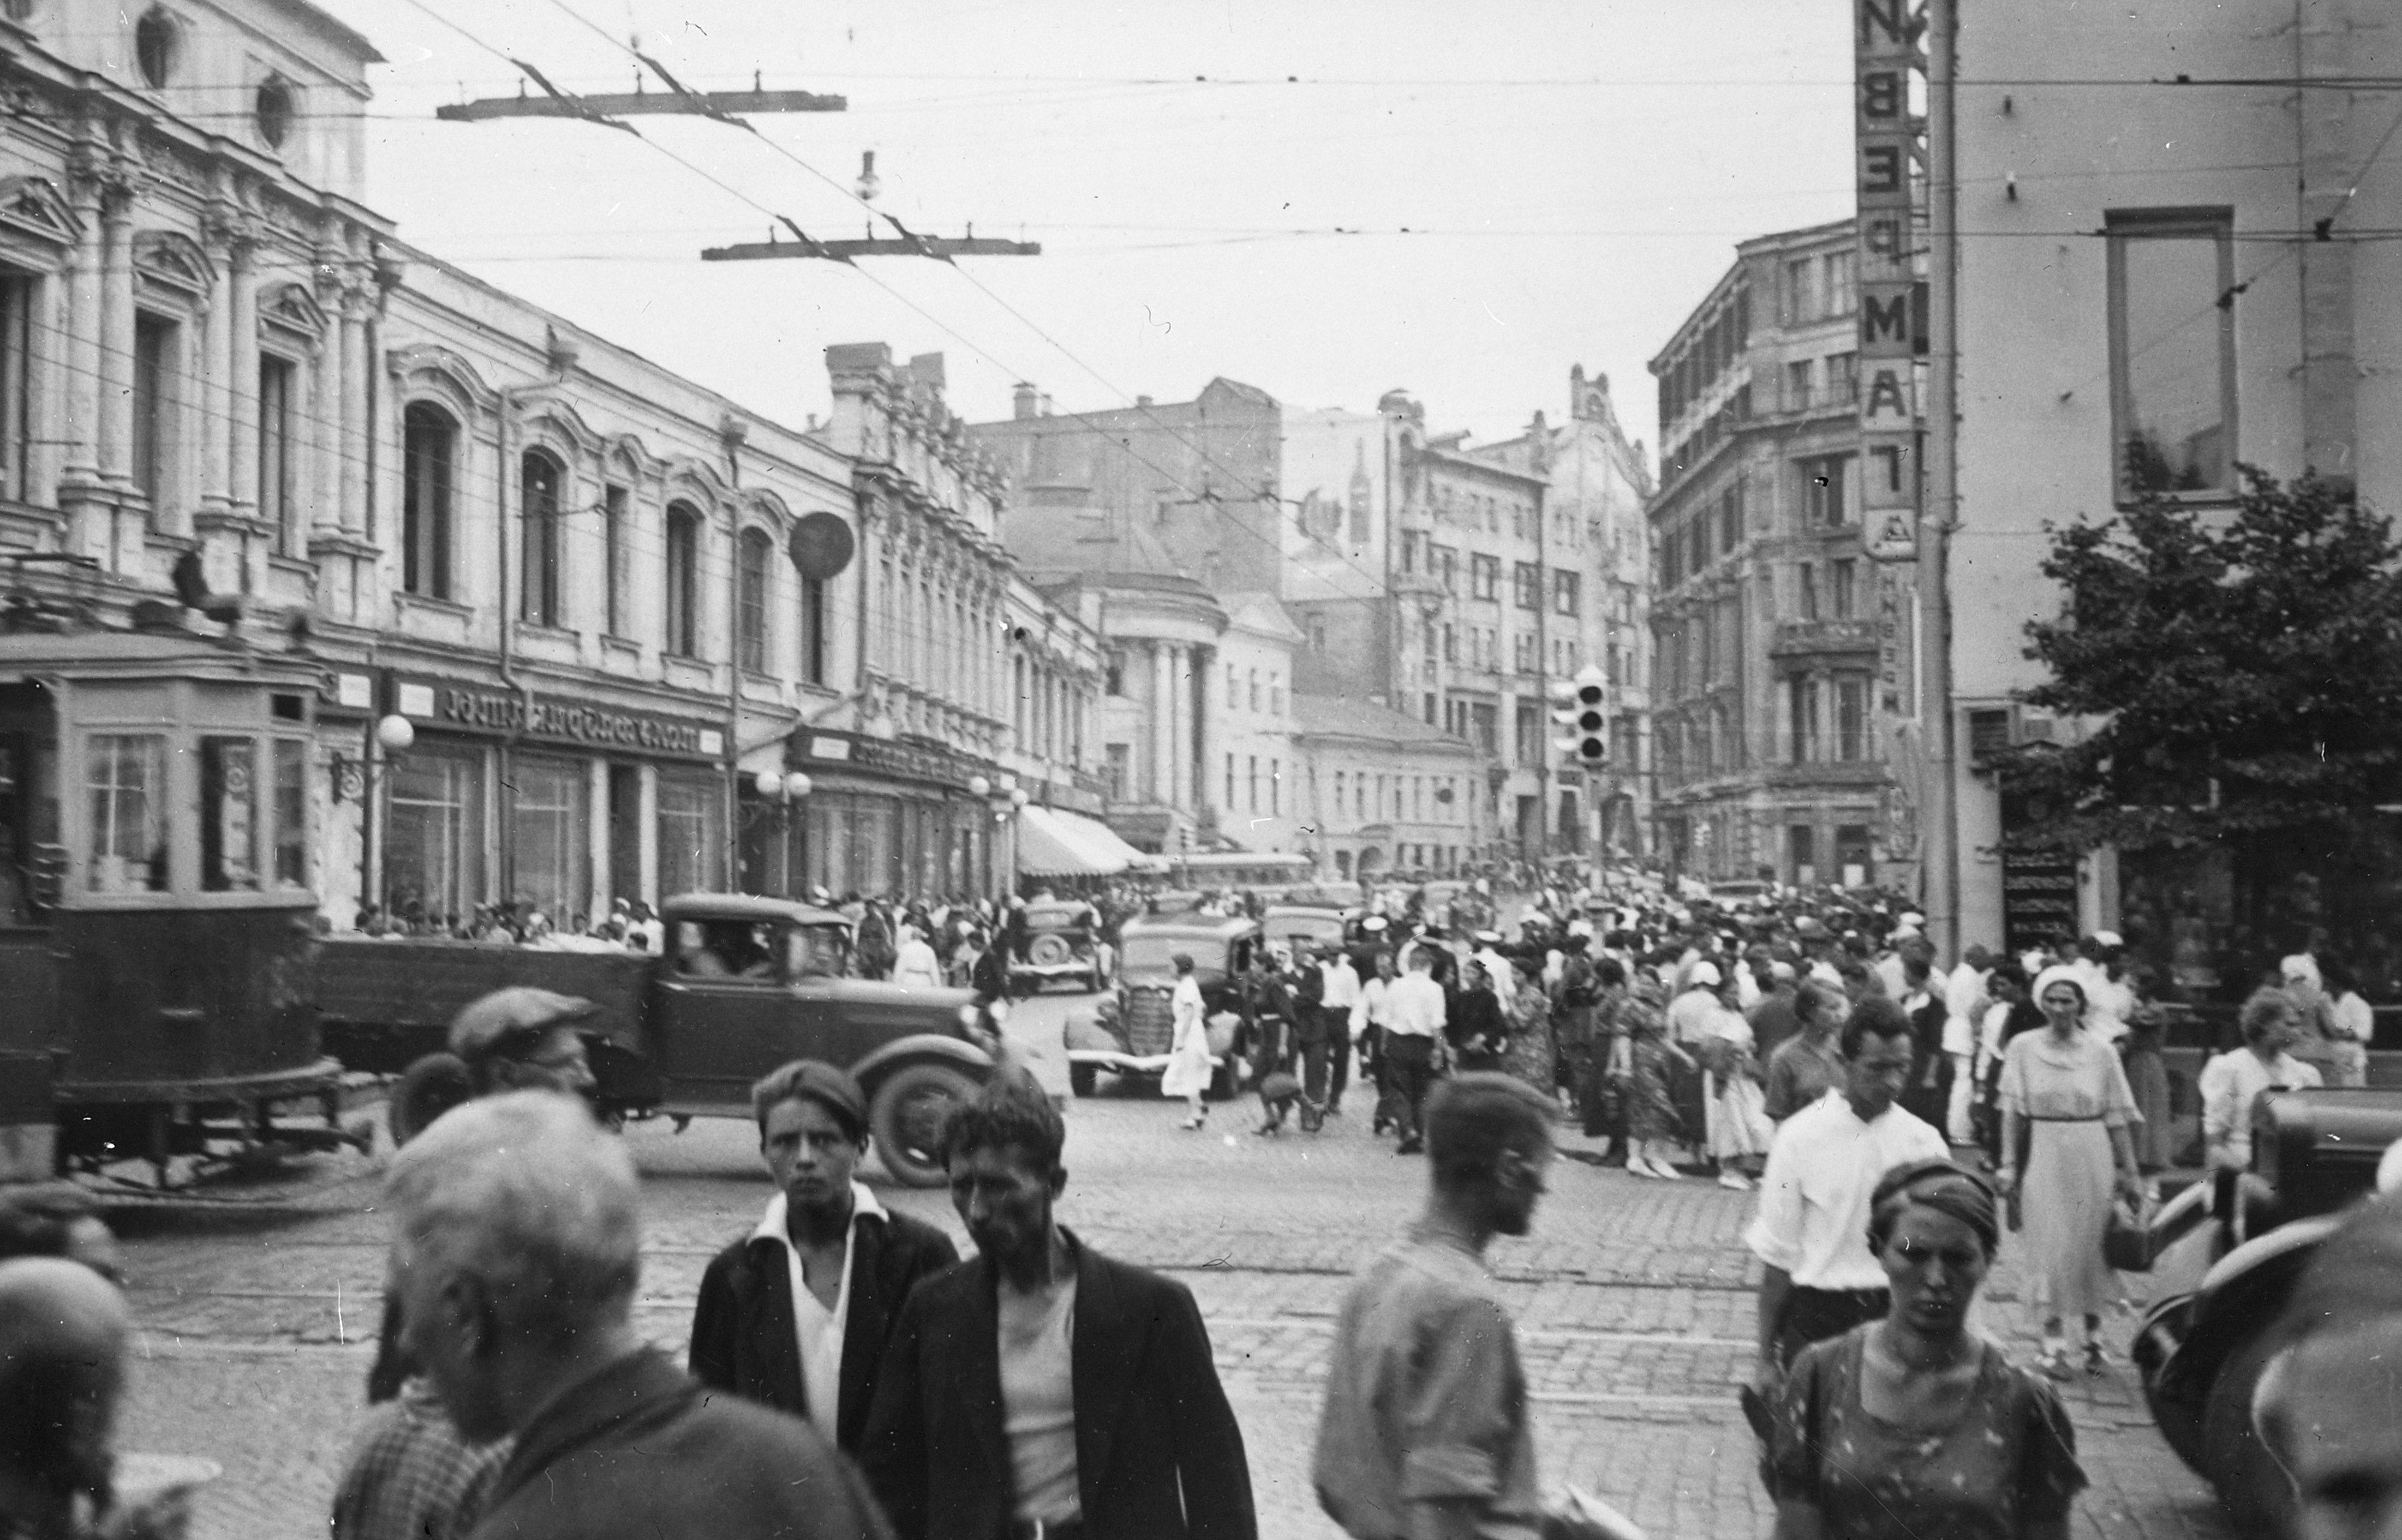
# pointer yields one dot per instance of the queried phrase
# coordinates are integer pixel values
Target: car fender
(918, 1049)
(1083, 1031)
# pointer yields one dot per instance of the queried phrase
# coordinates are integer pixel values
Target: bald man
(64, 1330)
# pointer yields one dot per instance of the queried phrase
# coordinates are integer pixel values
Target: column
(326, 435)
(597, 835)
(80, 347)
(240, 424)
(116, 341)
(352, 457)
(646, 831)
(1180, 722)
(1205, 734)
(1163, 740)
(216, 382)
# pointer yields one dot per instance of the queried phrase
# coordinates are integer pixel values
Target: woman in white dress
(2067, 1145)
(1188, 1051)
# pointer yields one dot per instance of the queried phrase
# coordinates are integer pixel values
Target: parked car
(1131, 1032)
(1063, 943)
(744, 985)
(1289, 924)
(2314, 1154)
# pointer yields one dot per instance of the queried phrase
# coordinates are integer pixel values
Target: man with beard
(1425, 1428)
(1043, 1391)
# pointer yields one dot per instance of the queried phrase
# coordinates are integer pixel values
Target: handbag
(2127, 1242)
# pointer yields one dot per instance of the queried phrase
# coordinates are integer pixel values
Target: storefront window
(549, 818)
(128, 781)
(229, 815)
(692, 832)
(434, 845)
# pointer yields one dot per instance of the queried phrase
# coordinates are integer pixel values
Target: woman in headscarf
(1912, 1426)
(2067, 1143)
(1651, 1121)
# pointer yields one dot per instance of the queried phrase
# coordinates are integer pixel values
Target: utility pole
(1938, 801)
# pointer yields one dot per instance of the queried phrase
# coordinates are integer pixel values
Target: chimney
(1023, 399)
(1046, 405)
(1143, 402)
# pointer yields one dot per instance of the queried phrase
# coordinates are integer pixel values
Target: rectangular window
(1851, 719)
(1838, 289)
(1409, 551)
(683, 585)
(428, 438)
(1840, 575)
(540, 580)
(1527, 586)
(1443, 562)
(1275, 789)
(433, 847)
(291, 810)
(1697, 544)
(1844, 378)
(1485, 577)
(16, 300)
(751, 600)
(1797, 385)
(1823, 502)
(1731, 519)
(127, 778)
(154, 363)
(1252, 776)
(548, 816)
(1230, 780)
(1451, 644)
(275, 504)
(1275, 695)
(616, 512)
(2171, 351)
(1800, 291)
(1567, 595)
(1118, 768)
(1803, 693)
(230, 815)
(813, 630)
(692, 836)
(1805, 600)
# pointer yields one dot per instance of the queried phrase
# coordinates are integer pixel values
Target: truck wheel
(906, 1118)
(1081, 1079)
(2252, 1491)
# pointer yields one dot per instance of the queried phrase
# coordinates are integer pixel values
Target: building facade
(1597, 489)
(1384, 794)
(2151, 320)
(621, 616)
(1766, 609)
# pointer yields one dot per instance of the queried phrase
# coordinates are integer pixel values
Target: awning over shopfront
(1056, 844)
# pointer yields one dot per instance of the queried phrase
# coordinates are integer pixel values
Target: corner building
(1765, 608)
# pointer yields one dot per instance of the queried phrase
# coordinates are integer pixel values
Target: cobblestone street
(1633, 1297)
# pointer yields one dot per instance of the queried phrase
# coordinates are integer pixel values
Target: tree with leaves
(2241, 673)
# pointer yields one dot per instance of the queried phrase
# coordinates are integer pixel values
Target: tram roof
(143, 654)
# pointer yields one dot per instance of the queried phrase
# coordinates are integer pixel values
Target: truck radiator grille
(1150, 1026)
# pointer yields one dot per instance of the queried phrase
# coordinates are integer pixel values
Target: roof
(1257, 609)
(1342, 717)
(745, 906)
(1088, 541)
(1187, 925)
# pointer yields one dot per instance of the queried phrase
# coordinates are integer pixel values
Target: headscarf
(1941, 1185)
(2062, 974)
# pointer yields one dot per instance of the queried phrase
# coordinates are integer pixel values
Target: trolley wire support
(941, 248)
(679, 100)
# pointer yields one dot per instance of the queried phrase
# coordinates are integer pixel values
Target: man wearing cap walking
(797, 1314)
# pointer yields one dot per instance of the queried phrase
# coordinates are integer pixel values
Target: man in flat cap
(797, 1314)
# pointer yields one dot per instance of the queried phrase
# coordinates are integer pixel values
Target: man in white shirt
(1964, 999)
(798, 1312)
(1368, 1019)
(1414, 1017)
(1810, 1233)
(1340, 1002)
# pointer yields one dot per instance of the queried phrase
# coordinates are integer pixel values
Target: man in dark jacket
(516, 1249)
(1044, 1389)
(797, 1314)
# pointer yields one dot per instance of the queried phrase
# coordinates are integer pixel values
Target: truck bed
(384, 1003)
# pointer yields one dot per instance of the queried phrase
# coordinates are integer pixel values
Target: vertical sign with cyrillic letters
(1885, 53)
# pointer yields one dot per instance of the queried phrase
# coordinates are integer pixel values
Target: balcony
(1823, 637)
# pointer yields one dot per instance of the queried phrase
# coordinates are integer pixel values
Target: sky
(1572, 176)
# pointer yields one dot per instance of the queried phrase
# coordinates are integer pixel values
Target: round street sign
(822, 546)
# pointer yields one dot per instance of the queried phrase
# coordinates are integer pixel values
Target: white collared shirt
(817, 1332)
(1814, 1200)
(1341, 982)
(1414, 1007)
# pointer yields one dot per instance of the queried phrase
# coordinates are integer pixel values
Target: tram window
(230, 815)
(291, 813)
(128, 783)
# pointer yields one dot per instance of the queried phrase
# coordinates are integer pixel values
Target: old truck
(744, 985)
(1133, 1028)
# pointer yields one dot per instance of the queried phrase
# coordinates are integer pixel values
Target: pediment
(294, 309)
(175, 260)
(427, 366)
(34, 206)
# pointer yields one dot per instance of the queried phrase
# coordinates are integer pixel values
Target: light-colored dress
(2072, 1094)
(1188, 1053)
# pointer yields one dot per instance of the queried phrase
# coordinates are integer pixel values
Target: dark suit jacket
(638, 1450)
(1158, 1453)
(742, 1333)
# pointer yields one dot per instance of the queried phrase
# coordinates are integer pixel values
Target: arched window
(751, 584)
(684, 580)
(271, 110)
(539, 480)
(156, 45)
(429, 447)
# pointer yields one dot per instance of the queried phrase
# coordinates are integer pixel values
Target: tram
(157, 914)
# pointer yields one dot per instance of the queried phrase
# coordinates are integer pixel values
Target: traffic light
(1592, 719)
